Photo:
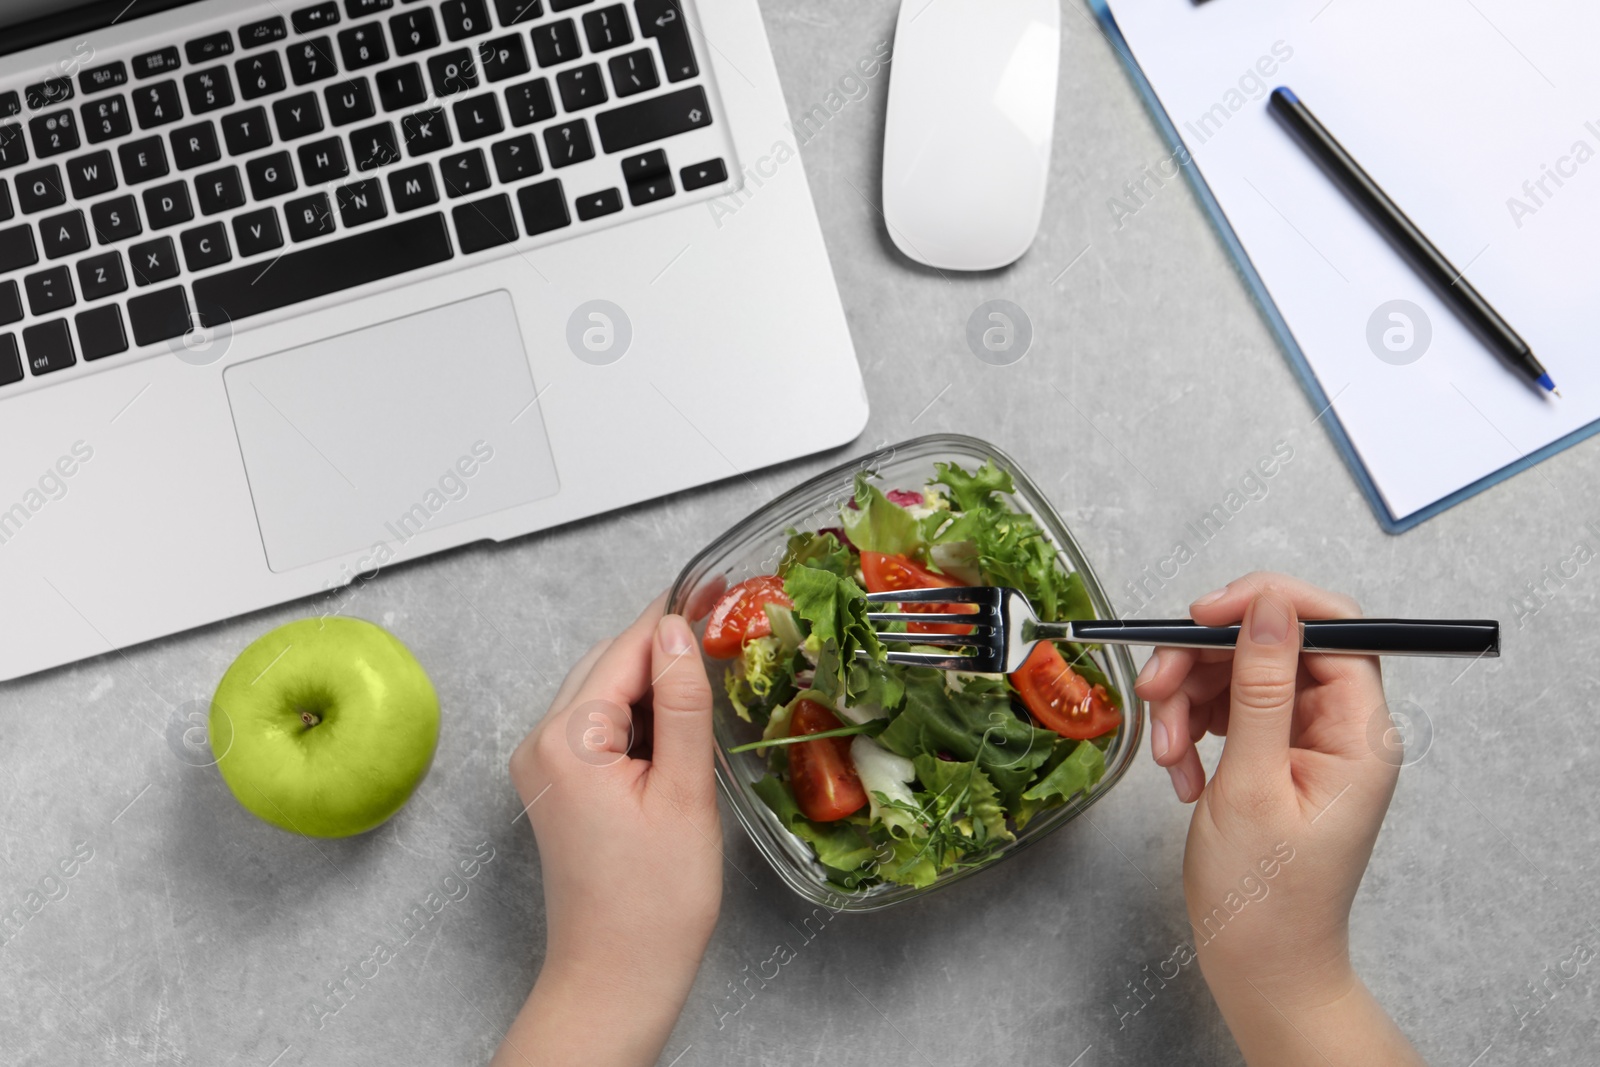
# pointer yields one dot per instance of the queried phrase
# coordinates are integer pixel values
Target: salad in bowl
(872, 781)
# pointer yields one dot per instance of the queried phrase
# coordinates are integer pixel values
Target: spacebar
(308, 273)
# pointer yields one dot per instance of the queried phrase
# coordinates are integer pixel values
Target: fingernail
(1211, 597)
(1269, 623)
(1180, 782)
(1158, 740)
(1148, 671)
(676, 638)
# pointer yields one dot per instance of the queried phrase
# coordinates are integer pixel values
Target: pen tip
(1544, 380)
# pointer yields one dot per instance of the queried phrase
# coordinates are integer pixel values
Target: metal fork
(1005, 629)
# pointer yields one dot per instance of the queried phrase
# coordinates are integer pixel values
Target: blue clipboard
(1280, 328)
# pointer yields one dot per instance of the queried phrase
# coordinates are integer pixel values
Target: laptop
(292, 293)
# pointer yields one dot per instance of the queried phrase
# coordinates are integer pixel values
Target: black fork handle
(1356, 637)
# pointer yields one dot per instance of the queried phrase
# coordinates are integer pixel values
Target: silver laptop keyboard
(252, 168)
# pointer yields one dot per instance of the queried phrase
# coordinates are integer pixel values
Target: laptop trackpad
(373, 437)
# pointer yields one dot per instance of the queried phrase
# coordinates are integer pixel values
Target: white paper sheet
(1481, 119)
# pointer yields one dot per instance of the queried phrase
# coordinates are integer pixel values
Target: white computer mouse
(966, 146)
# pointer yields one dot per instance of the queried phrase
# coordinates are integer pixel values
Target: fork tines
(982, 621)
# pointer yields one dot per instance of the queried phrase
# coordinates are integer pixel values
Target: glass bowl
(755, 545)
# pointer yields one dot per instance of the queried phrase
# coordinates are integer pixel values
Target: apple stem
(309, 718)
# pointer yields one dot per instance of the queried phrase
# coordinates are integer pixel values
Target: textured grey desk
(196, 935)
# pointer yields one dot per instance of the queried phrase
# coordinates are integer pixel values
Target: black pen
(1407, 239)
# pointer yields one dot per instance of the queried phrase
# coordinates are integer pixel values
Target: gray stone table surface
(196, 935)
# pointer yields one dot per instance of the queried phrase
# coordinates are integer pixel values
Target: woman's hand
(1281, 836)
(630, 850)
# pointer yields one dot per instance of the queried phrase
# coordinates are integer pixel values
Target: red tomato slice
(885, 574)
(740, 615)
(823, 776)
(1060, 698)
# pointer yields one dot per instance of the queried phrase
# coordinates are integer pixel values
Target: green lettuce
(755, 674)
(1077, 766)
(819, 550)
(840, 846)
(972, 794)
(836, 608)
(877, 524)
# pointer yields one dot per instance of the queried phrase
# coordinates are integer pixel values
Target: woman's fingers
(681, 703)
(1225, 606)
(1183, 716)
(621, 674)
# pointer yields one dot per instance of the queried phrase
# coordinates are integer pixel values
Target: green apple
(324, 726)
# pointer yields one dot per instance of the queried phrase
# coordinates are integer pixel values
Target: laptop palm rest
(362, 442)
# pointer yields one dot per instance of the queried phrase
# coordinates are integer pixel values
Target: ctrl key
(159, 316)
(49, 346)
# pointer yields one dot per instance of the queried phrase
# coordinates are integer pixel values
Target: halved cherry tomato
(1060, 698)
(885, 574)
(823, 776)
(740, 616)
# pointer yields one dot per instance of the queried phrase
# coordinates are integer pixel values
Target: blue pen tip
(1287, 93)
(1544, 380)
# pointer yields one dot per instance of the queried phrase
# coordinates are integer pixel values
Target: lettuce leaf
(840, 846)
(836, 608)
(886, 777)
(981, 815)
(754, 675)
(820, 550)
(1076, 769)
(975, 491)
(877, 524)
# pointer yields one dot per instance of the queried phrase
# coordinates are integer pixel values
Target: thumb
(681, 698)
(1266, 666)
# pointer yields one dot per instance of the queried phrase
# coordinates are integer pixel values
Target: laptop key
(568, 143)
(167, 205)
(256, 34)
(362, 46)
(530, 102)
(297, 116)
(357, 8)
(143, 160)
(316, 17)
(502, 58)
(312, 60)
(374, 146)
(645, 165)
(64, 234)
(100, 332)
(205, 246)
(10, 302)
(659, 117)
(105, 119)
(633, 72)
(40, 189)
(157, 105)
(414, 31)
(158, 62)
(271, 176)
(106, 76)
(54, 133)
(607, 28)
(219, 190)
(17, 249)
(401, 87)
(453, 72)
(464, 173)
(256, 232)
(101, 276)
(605, 202)
(212, 46)
(208, 90)
(10, 360)
(512, 12)
(544, 207)
(159, 316)
(349, 101)
(464, 18)
(478, 116)
(309, 216)
(555, 42)
(516, 158)
(425, 131)
(195, 146)
(153, 261)
(10, 104)
(413, 188)
(115, 220)
(246, 131)
(323, 161)
(365, 255)
(13, 149)
(49, 290)
(581, 87)
(259, 75)
(649, 190)
(48, 93)
(663, 20)
(6, 208)
(361, 202)
(484, 223)
(49, 346)
(563, 5)
(91, 175)
(700, 175)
